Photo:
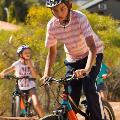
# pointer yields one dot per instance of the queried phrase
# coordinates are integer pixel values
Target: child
(81, 46)
(103, 74)
(24, 67)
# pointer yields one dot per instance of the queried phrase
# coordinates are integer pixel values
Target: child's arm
(109, 72)
(32, 68)
(6, 71)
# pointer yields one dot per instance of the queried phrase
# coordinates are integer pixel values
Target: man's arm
(50, 60)
(92, 53)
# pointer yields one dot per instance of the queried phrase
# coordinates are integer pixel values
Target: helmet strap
(67, 19)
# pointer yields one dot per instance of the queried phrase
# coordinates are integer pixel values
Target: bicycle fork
(70, 113)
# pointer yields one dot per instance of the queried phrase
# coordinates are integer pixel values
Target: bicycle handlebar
(10, 77)
(61, 80)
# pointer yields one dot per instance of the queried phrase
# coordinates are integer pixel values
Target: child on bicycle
(103, 75)
(81, 46)
(24, 67)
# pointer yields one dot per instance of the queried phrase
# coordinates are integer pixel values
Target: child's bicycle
(21, 101)
(65, 111)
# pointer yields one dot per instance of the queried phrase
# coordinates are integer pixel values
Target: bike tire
(50, 117)
(16, 106)
(108, 111)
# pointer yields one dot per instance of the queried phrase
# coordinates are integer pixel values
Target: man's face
(60, 11)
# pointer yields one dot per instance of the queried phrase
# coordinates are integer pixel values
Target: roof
(90, 4)
(80, 2)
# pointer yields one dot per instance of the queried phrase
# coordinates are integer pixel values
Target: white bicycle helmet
(53, 3)
(22, 48)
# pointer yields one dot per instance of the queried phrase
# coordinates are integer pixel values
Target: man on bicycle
(81, 46)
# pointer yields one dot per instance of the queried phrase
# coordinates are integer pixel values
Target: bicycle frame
(24, 100)
(70, 113)
(65, 104)
(64, 110)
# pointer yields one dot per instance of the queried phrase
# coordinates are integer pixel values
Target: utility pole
(7, 13)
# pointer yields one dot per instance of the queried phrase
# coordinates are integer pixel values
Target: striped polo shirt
(72, 36)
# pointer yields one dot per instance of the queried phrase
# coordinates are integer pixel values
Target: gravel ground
(116, 108)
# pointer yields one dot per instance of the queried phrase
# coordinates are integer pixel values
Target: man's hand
(80, 73)
(44, 78)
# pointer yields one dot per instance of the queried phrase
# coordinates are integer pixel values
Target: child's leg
(103, 94)
(36, 103)
(101, 88)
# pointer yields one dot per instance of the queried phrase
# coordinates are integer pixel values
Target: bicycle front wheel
(16, 106)
(50, 117)
(109, 113)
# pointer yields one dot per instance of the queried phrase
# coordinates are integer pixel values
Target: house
(80, 2)
(104, 7)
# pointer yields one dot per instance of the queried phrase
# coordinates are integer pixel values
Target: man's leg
(74, 85)
(93, 98)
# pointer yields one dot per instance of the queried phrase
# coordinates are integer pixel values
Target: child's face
(60, 11)
(26, 54)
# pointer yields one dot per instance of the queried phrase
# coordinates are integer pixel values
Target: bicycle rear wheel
(16, 106)
(50, 117)
(109, 113)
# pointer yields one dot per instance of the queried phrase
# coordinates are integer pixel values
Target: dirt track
(115, 106)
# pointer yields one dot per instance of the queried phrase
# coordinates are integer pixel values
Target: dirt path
(8, 26)
(18, 118)
(116, 108)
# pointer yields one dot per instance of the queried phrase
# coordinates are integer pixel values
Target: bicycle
(21, 101)
(65, 111)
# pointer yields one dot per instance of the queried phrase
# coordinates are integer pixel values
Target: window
(102, 7)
